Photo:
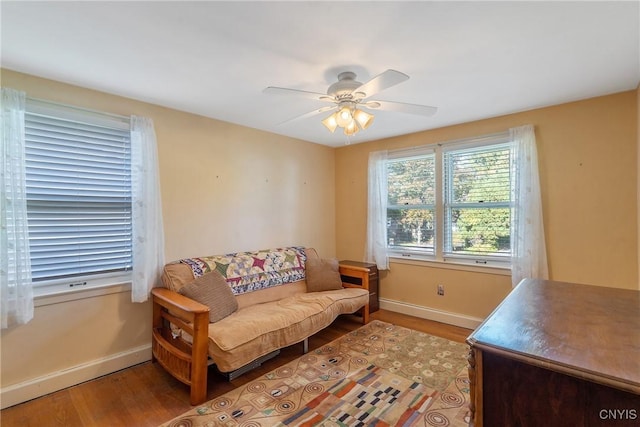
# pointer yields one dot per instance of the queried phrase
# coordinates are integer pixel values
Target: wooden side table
(362, 274)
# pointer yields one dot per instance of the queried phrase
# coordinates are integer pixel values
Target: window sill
(74, 295)
(450, 265)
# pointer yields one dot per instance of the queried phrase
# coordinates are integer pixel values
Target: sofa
(238, 310)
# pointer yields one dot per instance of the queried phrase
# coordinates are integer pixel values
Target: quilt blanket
(250, 271)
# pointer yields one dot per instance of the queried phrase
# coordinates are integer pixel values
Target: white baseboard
(37, 387)
(431, 313)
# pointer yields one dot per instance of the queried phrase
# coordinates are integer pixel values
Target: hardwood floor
(145, 395)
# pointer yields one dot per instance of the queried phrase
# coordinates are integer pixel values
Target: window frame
(75, 283)
(481, 262)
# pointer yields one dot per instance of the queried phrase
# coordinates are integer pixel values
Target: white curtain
(148, 232)
(376, 249)
(16, 292)
(529, 254)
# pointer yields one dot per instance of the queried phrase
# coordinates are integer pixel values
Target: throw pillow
(322, 274)
(212, 289)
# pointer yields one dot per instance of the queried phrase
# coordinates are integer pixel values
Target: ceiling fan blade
(401, 107)
(271, 90)
(381, 82)
(309, 114)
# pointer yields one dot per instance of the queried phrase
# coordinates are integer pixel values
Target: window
(411, 204)
(78, 173)
(477, 191)
(451, 202)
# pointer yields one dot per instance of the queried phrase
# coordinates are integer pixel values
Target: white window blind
(78, 170)
(477, 201)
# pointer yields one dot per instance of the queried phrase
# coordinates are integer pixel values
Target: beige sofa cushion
(322, 275)
(260, 329)
(212, 290)
(270, 294)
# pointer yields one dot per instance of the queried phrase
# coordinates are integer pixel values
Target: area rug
(378, 375)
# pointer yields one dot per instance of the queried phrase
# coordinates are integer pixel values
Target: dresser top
(584, 330)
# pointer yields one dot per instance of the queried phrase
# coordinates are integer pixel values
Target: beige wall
(227, 187)
(224, 188)
(588, 166)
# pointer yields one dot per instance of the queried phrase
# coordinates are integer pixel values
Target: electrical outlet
(441, 290)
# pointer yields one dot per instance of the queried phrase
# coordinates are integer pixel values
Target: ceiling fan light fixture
(350, 119)
(349, 95)
(364, 119)
(331, 122)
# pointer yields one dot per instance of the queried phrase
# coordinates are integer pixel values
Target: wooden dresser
(558, 354)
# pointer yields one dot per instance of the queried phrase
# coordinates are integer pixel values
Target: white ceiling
(472, 60)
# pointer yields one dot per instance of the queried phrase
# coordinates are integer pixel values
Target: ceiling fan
(348, 96)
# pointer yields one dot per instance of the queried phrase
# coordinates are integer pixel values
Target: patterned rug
(377, 375)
